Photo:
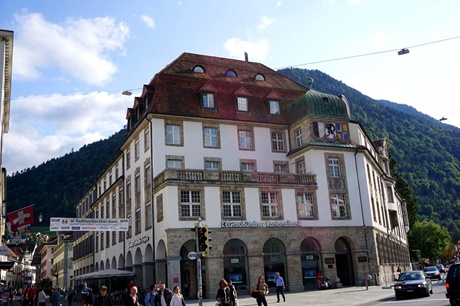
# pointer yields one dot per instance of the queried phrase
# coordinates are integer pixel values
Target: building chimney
(246, 56)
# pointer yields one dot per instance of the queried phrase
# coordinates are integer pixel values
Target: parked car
(441, 268)
(413, 283)
(453, 284)
(433, 272)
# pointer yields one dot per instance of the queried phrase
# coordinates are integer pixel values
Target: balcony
(171, 176)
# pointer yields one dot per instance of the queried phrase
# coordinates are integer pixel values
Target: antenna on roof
(246, 57)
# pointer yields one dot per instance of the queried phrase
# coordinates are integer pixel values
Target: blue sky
(72, 59)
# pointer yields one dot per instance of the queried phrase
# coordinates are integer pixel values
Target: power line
(368, 54)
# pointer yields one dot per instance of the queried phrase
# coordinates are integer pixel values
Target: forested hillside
(58, 184)
(427, 154)
(427, 151)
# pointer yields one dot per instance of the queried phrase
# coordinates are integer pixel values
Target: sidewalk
(339, 296)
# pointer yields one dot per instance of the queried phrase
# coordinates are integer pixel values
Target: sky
(73, 59)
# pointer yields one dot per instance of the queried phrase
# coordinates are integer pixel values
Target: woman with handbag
(177, 298)
(262, 289)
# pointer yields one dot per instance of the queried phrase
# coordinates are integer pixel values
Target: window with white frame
(280, 167)
(301, 169)
(298, 137)
(173, 134)
(334, 167)
(211, 137)
(305, 206)
(338, 206)
(245, 139)
(242, 104)
(128, 159)
(147, 139)
(207, 100)
(136, 149)
(190, 203)
(174, 164)
(277, 141)
(231, 202)
(137, 228)
(211, 165)
(248, 166)
(148, 216)
(274, 107)
(270, 205)
(390, 194)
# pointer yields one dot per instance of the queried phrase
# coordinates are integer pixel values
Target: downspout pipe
(362, 214)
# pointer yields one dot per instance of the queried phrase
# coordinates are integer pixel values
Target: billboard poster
(87, 224)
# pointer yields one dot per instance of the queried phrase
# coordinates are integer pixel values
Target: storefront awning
(104, 274)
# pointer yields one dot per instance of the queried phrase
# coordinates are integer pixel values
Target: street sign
(192, 255)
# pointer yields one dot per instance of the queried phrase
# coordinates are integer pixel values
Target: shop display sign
(256, 224)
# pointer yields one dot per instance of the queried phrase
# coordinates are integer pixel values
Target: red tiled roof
(177, 89)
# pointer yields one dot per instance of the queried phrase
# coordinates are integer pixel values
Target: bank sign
(255, 224)
(87, 224)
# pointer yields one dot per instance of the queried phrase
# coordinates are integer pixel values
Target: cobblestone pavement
(338, 296)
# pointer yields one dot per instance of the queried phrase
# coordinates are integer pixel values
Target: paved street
(339, 296)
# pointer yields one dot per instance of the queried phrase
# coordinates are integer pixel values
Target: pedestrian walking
(164, 295)
(262, 289)
(223, 293)
(56, 296)
(233, 294)
(103, 299)
(69, 296)
(31, 294)
(86, 295)
(132, 299)
(42, 297)
(319, 276)
(150, 296)
(177, 298)
(280, 286)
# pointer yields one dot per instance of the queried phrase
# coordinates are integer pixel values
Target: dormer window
(207, 100)
(199, 69)
(274, 107)
(259, 77)
(242, 104)
(231, 73)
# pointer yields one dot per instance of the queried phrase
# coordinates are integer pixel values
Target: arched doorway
(274, 261)
(236, 264)
(188, 275)
(310, 257)
(344, 263)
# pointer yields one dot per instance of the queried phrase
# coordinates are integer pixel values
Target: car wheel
(398, 296)
(427, 292)
(453, 302)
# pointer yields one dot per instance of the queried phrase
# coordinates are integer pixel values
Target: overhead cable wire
(372, 53)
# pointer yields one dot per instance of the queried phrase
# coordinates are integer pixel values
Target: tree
(430, 238)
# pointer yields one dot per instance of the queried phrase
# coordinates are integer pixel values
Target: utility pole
(198, 266)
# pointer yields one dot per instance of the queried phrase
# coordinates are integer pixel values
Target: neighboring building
(46, 265)
(62, 261)
(6, 63)
(283, 178)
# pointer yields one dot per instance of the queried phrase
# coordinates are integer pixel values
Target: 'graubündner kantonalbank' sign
(240, 224)
(87, 224)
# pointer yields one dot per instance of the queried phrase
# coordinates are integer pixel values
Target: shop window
(236, 264)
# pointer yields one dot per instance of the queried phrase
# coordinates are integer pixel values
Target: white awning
(104, 274)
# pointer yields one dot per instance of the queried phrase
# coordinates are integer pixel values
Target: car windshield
(431, 269)
(410, 276)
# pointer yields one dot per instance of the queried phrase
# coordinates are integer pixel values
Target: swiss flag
(21, 217)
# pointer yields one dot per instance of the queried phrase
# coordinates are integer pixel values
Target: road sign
(192, 255)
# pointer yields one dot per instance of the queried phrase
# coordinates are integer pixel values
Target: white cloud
(149, 22)
(48, 126)
(78, 47)
(266, 22)
(257, 51)
(279, 3)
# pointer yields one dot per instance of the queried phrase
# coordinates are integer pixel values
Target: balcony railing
(264, 178)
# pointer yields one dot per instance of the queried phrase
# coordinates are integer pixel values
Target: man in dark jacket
(163, 296)
(103, 299)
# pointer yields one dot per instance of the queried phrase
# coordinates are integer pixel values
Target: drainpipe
(151, 200)
(362, 216)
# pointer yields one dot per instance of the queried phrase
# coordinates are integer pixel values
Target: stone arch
(114, 263)
(274, 260)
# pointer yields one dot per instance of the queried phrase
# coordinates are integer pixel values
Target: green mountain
(427, 154)
(56, 186)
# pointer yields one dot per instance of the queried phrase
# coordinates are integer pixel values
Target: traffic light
(203, 240)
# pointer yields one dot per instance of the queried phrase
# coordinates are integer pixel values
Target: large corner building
(283, 178)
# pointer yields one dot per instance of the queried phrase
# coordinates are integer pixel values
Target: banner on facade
(87, 224)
